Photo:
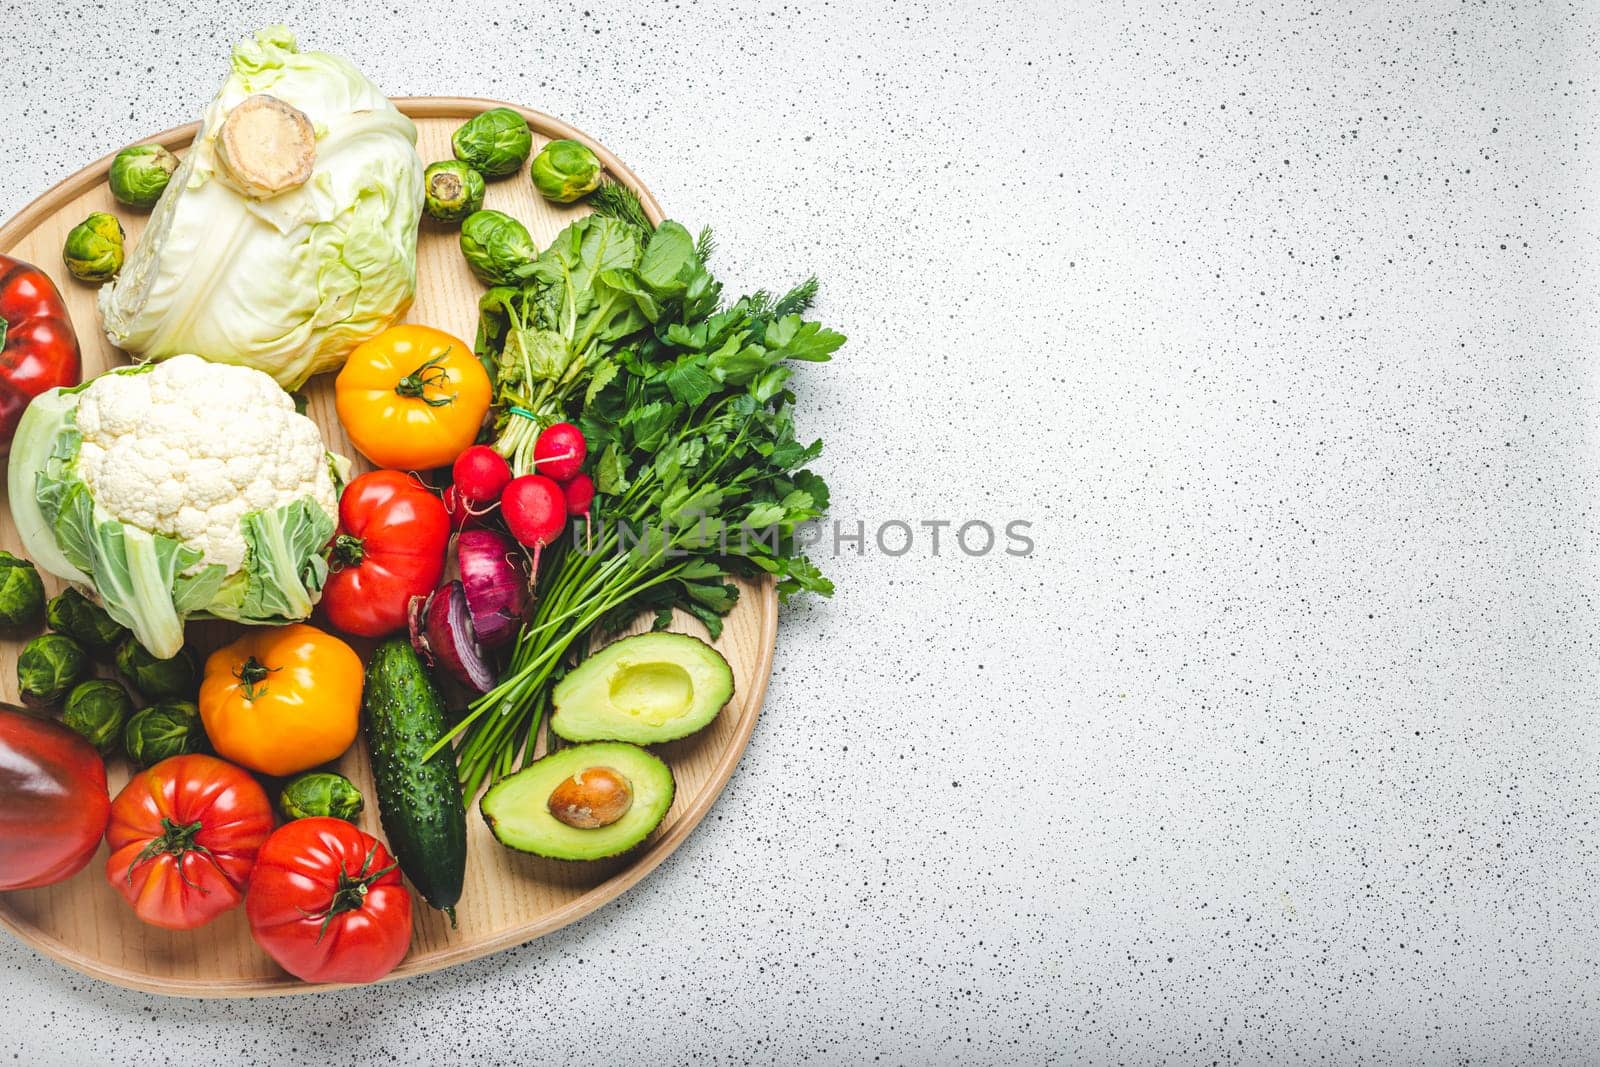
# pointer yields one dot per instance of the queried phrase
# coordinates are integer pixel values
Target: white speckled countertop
(1277, 323)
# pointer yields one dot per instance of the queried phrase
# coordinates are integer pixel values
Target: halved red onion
(494, 578)
(441, 632)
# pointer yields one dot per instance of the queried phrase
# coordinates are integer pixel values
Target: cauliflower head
(188, 448)
(177, 489)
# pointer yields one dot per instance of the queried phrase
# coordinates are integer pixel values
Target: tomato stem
(250, 676)
(348, 551)
(351, 892)
(430, 374)
(177, 841)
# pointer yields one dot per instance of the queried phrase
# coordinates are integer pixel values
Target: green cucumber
(419, 803)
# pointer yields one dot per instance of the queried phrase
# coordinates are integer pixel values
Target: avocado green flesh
(517, 808)
(645, 689)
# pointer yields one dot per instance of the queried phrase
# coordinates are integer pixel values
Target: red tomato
(392, 537)
(38, 349)
(184, 836)
(327, 903)
(53, 801)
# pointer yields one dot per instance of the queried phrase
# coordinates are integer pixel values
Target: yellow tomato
(282, 699)
(412, 397)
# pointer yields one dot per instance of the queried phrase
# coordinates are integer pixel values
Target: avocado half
(645, 689)
(517, 808)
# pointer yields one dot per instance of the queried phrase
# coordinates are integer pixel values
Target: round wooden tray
(510, 898)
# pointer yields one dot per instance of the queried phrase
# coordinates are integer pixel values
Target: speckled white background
(1277, 321)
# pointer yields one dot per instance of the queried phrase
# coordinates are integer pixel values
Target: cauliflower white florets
(189, 447)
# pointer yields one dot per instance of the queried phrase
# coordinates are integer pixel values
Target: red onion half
(494, 577)
(441, 632)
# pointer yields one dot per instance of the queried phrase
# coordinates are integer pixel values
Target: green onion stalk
(501, 727)
(519, 435)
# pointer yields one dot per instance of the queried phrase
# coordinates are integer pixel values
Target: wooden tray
(510, 898)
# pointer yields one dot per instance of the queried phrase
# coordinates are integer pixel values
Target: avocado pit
(591, 798)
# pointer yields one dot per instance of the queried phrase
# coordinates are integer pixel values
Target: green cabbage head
(291, 283)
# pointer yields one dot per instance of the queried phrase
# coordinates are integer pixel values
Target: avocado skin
(538, 780)
(419, 803)
(578, 717)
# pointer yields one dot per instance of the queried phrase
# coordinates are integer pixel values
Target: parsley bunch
(686, 406)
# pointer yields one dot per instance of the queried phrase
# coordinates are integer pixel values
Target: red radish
(480, 474)
(560, 451)
(441, 632)
(535, 511)
(494, 576)
(463, 516)
(580, 494)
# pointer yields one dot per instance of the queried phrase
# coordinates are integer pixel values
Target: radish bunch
(535, 506)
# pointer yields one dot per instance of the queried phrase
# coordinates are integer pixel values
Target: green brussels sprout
(320, 793)
(156, 679)
(162, 731)
(140, 174)
(97, 709)
(494, 143)
(453, 190)
(84, 621)
(48, 666)
(21, 593)
(93, 252)
(565, 170)
(497, 247)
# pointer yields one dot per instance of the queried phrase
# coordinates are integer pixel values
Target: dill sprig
(614, 200)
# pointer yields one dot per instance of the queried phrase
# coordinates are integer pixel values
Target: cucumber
(419, 803)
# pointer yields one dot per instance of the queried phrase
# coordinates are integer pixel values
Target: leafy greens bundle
(620, 327)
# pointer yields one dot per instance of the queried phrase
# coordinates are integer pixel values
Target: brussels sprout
(454, 190)
(140, 174)
(21, 593)
(156, 679)
(162, 731)
(497, 247)
(48, 666)
(97, 709)
(494, 143)
(93, 252)
(320, 793)
(84, 621)
(565, 170)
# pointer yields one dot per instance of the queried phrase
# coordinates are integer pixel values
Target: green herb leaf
(611, 477)
(794, 339)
